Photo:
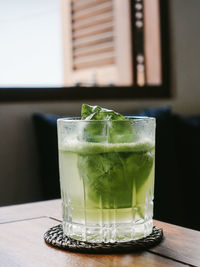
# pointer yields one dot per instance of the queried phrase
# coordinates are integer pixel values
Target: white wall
(19, 180)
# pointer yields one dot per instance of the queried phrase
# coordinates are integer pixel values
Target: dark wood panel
(21, 244)
(25, 94)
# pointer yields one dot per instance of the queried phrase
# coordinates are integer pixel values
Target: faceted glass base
(112, 233)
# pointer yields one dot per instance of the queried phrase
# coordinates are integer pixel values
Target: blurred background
(133, 56)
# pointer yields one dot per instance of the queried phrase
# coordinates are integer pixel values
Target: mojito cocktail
(107, 178)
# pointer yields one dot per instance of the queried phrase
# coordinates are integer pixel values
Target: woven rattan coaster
(54, 236)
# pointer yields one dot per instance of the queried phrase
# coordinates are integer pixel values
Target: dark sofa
(177, 164)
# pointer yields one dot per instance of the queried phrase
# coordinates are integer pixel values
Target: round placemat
(55, 237)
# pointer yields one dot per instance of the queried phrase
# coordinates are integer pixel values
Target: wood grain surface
(180, 243)
(21, 242)
(51, 208)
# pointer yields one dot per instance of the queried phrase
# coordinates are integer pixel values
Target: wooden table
(21, 242)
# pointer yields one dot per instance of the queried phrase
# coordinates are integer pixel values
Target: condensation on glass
(107, 178)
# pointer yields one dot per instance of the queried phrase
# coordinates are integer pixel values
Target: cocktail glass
(107, 178)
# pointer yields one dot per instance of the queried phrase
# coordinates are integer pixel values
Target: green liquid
(104, 184)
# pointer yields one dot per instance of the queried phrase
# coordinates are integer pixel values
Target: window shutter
(152, 36)
(97, 42)
(147, 42)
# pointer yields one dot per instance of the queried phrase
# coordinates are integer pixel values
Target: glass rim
(131, 118)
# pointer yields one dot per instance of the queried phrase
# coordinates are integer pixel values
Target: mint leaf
(112, 176)
(97, 113)
(105, 180)
(117, 130)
